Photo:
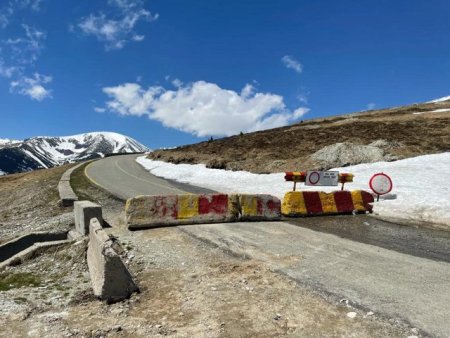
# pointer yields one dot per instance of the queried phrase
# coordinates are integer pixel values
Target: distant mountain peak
(4, 141)
(45, 151)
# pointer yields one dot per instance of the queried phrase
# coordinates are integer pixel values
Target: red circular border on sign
(318, 177)
(380, 174)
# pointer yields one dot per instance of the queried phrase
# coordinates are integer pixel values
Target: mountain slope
(323, 143)
(46, 152)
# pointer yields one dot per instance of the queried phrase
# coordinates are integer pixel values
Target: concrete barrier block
(110, 278)
(362, 200)
(304, 203)
(150, 211)
(293, 204)
(85, 211)
(328, 203)
(154, 211)
(217, 208)
(259, 207)
(66, 194)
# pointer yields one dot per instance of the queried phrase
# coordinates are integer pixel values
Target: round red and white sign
(314, 177)
(380, 184)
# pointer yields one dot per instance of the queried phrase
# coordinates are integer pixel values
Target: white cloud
(18, 55)
(303, 96)
(8, 10)
(299, 112)
(25, 49)
(291, 63)
(118, 27)
(203, 108)
(177, 83)
(371, 106)
(247, 91)
(138, 38)
(100, 109)
(32, 87)
(7, 71)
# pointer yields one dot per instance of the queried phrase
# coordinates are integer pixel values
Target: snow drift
(420, 183)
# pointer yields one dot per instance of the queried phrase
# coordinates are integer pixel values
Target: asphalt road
(391, 284)
(396, 271)
(123, 177)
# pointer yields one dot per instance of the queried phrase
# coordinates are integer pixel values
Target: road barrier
(305, 203)
(66, 195)
(154, 211)
(259, 208)
(110, 278)
(84, 211)
(300, 177)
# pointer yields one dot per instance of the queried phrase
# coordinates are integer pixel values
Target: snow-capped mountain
(5, 141)
(45, 152)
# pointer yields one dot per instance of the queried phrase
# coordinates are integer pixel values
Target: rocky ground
(189, 288)
(325, 143)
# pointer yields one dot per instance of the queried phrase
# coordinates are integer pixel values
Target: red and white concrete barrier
(259, 208)
(154, 211)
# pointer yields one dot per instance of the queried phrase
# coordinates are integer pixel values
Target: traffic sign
(322, 178)
(380, 183)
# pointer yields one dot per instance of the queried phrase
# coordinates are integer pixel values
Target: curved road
(123, 177)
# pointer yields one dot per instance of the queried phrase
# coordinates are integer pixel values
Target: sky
(174, 72)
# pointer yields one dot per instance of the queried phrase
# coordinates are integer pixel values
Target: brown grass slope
(289, 148)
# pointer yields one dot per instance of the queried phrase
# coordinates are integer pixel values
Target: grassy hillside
(409, 130)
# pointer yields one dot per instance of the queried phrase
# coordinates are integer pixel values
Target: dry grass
(26, 194)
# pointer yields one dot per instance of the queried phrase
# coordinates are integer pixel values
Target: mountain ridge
(42, 152)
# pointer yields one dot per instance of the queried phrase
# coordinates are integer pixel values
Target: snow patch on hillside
(445, 98)
(432, 111)
(420, 183)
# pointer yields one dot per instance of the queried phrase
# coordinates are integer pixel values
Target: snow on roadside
(422, 184)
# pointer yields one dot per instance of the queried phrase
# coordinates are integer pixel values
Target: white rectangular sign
(322, 178)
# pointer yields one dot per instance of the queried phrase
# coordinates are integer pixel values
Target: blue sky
(172, 72)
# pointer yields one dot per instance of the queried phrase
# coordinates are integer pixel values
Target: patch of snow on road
(420, 183)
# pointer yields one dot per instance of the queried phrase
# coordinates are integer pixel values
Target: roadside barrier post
(295, 177)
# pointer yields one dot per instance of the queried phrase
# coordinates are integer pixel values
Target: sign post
(380, 184)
